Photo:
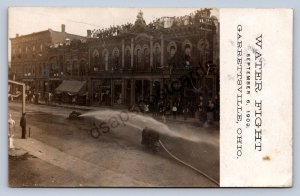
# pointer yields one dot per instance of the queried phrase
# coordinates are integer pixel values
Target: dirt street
(118, 152)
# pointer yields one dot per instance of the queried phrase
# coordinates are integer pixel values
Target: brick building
(135, 62)
(34, 58)
(126, 64)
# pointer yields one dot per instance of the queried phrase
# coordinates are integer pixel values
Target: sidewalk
(89, 171)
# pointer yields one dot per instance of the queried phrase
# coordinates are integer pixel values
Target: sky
(26, 20)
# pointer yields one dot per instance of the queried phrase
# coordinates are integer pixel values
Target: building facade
(37, 59)
(172, 59)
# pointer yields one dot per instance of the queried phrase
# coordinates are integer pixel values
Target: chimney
(17, 35)
(63, 28)
(89, 33)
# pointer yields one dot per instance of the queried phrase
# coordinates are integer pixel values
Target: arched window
(187, 48)
(138, 56)
(127, 57)
(69, 68)
(75, 68)
(105, 59)
(146, 57)
(96, 60)
(187, 55)
(115, 54)
(82, 67)
(172, 48)
(203, 47)
(156, 55)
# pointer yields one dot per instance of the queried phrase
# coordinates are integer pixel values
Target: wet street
(64, 153)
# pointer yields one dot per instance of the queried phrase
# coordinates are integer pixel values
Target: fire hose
(184, 163)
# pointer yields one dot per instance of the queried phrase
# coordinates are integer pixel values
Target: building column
(112, 89)
(90, 91)
(142, 89)
(151, 51)
(132, 53)
(123, 91)
(132, 91)
(151, 88)
(123, 53)
(162, 48)
(161, 84)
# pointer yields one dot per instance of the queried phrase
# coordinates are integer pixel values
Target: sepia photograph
(113, 97)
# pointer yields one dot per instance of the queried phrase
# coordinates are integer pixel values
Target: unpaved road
(118, 151)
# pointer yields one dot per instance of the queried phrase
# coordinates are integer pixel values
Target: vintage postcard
(149, 97)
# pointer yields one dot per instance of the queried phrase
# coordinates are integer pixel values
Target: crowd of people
(111, 31)
(196, 17)
(206, 110)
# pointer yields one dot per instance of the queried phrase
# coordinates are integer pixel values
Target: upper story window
(33, 48)
(156, 55)
(138, 56)
(19, 55)
(68, 42)
(105, 58)
(172, 48)
(41, 47)
(146, 57)
(68, 68)
(116, 58)
(187, 55)
(96, 60)
(75, 68)
(127, 57)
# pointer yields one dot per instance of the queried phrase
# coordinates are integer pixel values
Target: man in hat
(23, 125)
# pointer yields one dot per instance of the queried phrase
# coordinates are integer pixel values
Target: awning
(70, 86)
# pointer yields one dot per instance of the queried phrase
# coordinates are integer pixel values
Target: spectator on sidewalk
(87, 99)
(74, 100)
(46, 98)
(32, 100)
(37, 97)
(163, 118)
(174, 110)
(201, 110)
(217, 108)
(210, 110)
(50, 98)
(146, 108)
(23, 125)
(185, 112)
